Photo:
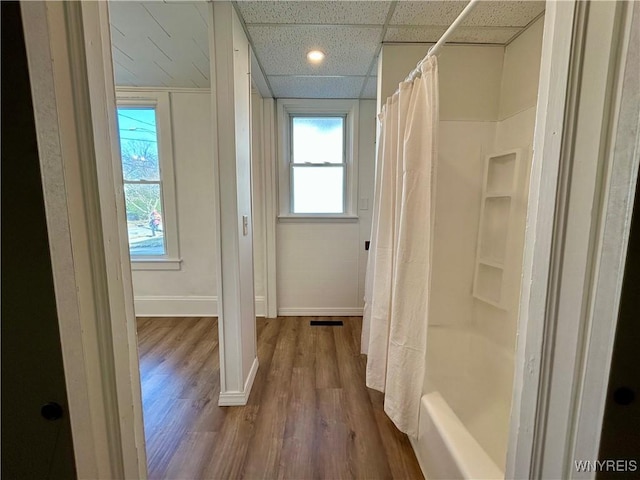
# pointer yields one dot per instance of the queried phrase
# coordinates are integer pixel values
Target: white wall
(192, 289)
(519, 89)
(469, 78)
(243, 142)
(321, 265)
(231, 117)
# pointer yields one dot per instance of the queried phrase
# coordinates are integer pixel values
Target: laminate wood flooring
(309, 416)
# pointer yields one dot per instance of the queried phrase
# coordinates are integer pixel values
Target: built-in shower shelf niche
(501, 183)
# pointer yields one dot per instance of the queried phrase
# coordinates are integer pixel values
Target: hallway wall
(192, 289)
(321, 265)
(329, 280)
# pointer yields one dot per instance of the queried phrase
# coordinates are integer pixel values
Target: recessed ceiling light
(315, 56)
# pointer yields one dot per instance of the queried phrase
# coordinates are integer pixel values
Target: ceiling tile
(370, 88)
(504, 13)
(316, 87)
(427, 13)
(487, 13)
(431, 34)
(283, 50)
(337, 13)
(499, 35)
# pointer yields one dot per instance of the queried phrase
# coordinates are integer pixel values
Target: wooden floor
(310, 414)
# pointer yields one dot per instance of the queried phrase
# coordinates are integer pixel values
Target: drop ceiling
(165, 44)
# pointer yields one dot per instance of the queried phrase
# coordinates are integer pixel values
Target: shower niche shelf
(501, 174)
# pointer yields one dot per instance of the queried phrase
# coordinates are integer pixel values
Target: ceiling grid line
(524, 29)
(390, 12)
(358, 25)
(318, 76)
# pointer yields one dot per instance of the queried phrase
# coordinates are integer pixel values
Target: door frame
(68, 46)
(578, 226)
(69, 56)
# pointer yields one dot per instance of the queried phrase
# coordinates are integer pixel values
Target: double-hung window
(318, 163)
(147, 175)
(318, 170)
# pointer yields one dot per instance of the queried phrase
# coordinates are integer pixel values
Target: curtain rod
(443, 39)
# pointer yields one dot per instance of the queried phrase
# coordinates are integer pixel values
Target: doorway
(36, 432)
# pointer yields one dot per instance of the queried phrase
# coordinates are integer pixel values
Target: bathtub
(444, 447)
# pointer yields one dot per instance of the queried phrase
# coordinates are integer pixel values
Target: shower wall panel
(471, 343)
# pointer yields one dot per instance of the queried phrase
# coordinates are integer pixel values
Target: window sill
(318, 219)
(156, 264)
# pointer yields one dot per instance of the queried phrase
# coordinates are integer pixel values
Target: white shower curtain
(394, 333)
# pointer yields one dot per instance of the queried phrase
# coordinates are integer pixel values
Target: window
(147, 176)
(318, 174)
(317, 164)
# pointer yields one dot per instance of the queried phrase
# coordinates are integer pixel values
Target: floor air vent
(326, 323)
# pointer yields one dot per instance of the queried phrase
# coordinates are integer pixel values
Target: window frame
(291, 108)
(161, 102)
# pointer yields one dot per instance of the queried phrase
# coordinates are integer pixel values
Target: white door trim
(269, 159)
(552, 92)
(558, 394)
(68, 45)
(620, 158)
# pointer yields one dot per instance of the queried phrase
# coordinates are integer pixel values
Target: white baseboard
(261, 307)
(319, 312)
(184, 306)
(176, 306)
(207, 306)
(235, 399)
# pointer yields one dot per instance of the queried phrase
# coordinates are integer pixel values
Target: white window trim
(350, 108)
(162, 103)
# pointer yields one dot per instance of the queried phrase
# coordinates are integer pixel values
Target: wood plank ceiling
(166, 43)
